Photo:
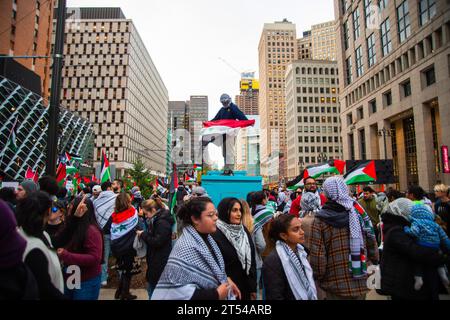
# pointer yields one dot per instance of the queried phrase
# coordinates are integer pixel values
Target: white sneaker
(104, 283)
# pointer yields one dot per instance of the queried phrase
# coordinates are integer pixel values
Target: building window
(427, 10)
(406, 88)
(371, 50)
(386, 43)
(362, 140)
(430, 76)
(351, 143)
(383, 4)
(346, 36)
(373, 106)
(367, 11)
(356, 25)
(348, 70)
(404, 26)
(387, 97)
(359, 62)
(349, 119)
(360, 113)
(410, 151)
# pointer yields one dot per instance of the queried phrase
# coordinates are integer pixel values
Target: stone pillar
(444, 129)
(401, 155)
(424, 144)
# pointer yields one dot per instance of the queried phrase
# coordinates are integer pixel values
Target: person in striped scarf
(342, 244)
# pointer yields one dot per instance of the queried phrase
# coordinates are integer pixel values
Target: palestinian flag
(31, 175)
(68, 158)
(173, 191)
(71, 170)
(361, 173)
(188, 178)
(123, 222)
(105, 174)
(12, 140)
(86, 180)
(61, 175)
(297, 182)
(332, 166)
(228, 127)
(197, 167)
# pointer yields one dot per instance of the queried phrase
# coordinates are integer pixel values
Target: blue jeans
(90, 290)
(106, 253)
(150, 290)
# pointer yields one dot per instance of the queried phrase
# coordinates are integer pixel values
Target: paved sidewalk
(108, 294)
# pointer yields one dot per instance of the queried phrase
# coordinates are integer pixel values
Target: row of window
(316, 70)
(410, 57)
(322, 119)
(313, 150)
(318, 139)
(317, 90)
(427, 10)
(322, 110)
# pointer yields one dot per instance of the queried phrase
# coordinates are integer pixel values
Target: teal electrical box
(238, 186)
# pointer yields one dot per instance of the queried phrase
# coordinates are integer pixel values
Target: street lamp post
(322, 156)
(384, 132)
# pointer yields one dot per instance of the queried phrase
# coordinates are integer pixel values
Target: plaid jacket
(329, 257)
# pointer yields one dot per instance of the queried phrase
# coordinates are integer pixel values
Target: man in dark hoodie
(338, 233)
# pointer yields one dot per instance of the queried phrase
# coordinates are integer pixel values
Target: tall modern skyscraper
(110, 79)
(178, 123)
(394, 86)
(312, 107)
(248, 99)
(26, 30)
(277, 48)
(323, 41)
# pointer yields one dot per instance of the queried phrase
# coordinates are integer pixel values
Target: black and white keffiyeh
(237, 236)
(191, 266)
(298, 271)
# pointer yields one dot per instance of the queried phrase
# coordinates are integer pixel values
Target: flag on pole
(297, 182)
(361, 173)
(61, 175)
(197, 167)
(105, 173)
(173, 191)
(31, 175)
(12, 140)
(332, 166)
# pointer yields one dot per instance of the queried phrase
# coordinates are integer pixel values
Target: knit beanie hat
(13, 244)
(29, 186)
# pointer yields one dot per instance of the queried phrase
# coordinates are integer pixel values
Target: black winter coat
(233, 267)
(18, 283)
(400, 254)
(159, 245)
(275, 281)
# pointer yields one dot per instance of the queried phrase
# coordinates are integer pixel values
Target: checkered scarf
(191, 263)
(335, 189)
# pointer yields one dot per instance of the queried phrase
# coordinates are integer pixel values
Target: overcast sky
(186, 38)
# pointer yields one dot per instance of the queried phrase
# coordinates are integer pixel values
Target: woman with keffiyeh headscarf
(401, 253)
(237, 248)
(342, 243)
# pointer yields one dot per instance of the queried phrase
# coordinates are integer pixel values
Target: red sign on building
(445, 161)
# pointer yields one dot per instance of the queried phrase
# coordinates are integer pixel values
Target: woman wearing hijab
(342, 237)
(237, 248)
(287, 273)
(195, 269)
(401, 253)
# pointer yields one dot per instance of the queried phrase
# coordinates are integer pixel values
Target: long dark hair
(280, 225)
(257, 198)
(224, 208)
(31, 212)
(82, 225)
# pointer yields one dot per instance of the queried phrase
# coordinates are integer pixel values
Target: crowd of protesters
(315, 242)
